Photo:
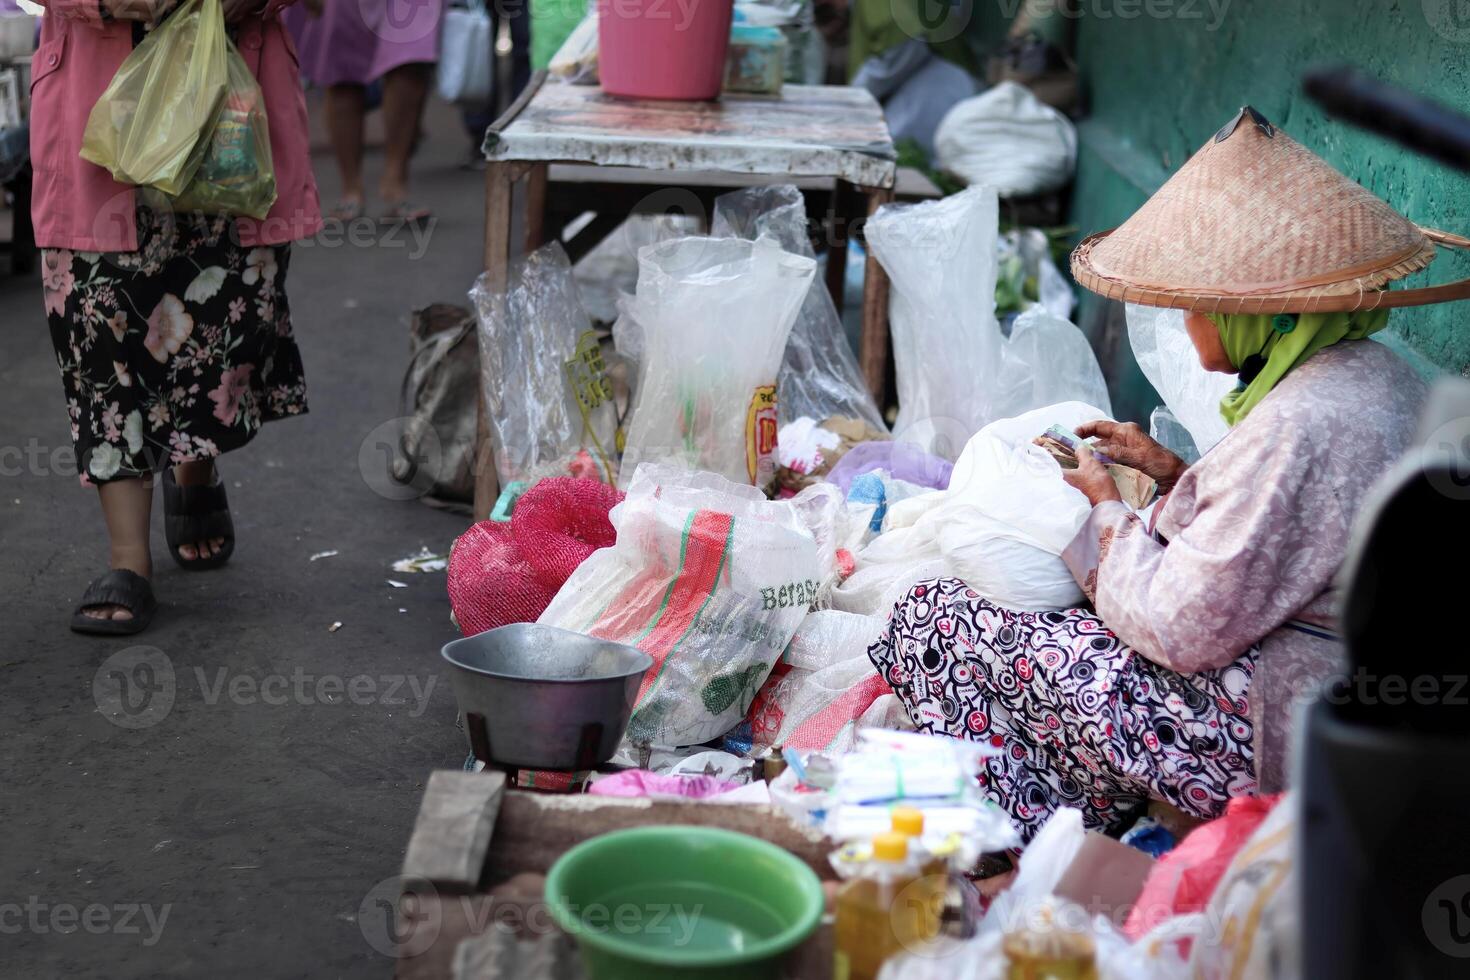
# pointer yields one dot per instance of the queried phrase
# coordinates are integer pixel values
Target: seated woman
(1206, 627)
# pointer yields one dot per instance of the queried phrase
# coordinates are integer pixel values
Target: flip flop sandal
(346, 211)
(197, 513)
(407, 213)
(118, 587)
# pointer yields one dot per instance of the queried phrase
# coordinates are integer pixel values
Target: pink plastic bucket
(663, 49)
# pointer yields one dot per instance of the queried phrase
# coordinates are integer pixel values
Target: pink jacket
(78, 205)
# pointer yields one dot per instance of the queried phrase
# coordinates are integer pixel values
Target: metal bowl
(538, 697)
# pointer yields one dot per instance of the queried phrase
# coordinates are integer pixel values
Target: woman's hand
(148, 11)
(1092, 478)
(238, 10)
(1128, 444)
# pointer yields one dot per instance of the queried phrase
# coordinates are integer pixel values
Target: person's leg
(346, 106)
(405, 90)
(518, 14)
(1030, 685)
(126, 508)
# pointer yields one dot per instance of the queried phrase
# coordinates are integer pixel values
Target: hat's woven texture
(1252, 221)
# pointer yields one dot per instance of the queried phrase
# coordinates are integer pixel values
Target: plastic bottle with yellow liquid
(933, 865)
(879, 912)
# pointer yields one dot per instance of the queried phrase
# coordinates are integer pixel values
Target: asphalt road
(237, 824)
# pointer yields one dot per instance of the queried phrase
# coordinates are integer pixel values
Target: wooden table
(570, 149)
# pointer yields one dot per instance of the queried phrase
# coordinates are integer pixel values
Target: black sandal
(119, 587)
(197, 513)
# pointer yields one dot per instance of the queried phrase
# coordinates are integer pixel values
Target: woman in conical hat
(1214, 613)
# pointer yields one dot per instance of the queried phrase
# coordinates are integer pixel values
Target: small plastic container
(1048, 950)
(653, 49)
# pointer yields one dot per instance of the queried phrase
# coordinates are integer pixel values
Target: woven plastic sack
(503, 573)
(947, 346)
(820, 377)
(1009, 139)
(150, 127)
(707, 577)
(823, 687)
(547, 393)
(713, 316)
(236, 175)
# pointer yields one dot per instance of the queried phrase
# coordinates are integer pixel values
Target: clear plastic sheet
(947, 346)
(1169, 361)
(546, 390)
(820, 377)
(1045, 361)
(707, 577)
(150, 126)
(1165, 428)
(713, 317)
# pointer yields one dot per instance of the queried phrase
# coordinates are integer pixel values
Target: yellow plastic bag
(150, 126)
(236, 176)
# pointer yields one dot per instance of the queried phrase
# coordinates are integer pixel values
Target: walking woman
(1211, 618)
(172, 331)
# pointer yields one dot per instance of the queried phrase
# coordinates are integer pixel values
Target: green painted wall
(1158, 86)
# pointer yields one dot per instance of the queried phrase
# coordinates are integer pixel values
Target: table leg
(875, 349)
(499, 184)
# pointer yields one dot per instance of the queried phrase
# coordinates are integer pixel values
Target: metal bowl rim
(521, 678)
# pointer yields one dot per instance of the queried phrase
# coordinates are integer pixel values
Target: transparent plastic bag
(547, 393)
(713, 316)
(1046, 361)
(236, 176)
(1169, 361)
(707, 577)
(150, 126)
(1028, 275)
(820, 377)
(1165, 428)
(947, 346)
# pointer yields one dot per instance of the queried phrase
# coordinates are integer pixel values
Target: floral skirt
(1077, 718)
(175, 352)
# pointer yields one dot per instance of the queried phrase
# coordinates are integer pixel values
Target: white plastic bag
(1045, 361)
(713, 316)
(1001, 526)
(547, 394)
(707, 577)
(940, 260)
(820, 376)
(1169, 361)
(466, 62)
(1009, 139)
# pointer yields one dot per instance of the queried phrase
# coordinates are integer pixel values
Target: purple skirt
(355, 42)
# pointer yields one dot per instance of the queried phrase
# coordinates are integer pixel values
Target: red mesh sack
(490, 583)
(559, 522)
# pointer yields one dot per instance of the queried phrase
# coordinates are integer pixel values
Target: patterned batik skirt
(178, 351)
(1077, 718)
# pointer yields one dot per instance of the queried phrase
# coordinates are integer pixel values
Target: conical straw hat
(1257, 223)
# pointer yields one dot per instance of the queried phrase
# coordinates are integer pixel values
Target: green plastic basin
(656, 902)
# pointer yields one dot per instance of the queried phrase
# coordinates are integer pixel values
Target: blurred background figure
(347, 46)
(516, 16)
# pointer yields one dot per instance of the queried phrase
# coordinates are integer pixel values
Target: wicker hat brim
(1361, 292)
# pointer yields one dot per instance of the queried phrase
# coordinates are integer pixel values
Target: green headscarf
(1265, 348)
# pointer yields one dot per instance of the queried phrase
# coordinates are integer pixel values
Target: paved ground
(250, 830)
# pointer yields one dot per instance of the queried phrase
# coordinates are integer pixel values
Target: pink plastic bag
(1185, 878)
(641, 782)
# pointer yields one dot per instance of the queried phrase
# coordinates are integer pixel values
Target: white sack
(1009, 139)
